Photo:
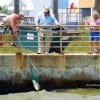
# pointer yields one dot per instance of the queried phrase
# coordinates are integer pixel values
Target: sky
(42, 2)
(4, 2)
(38, 4)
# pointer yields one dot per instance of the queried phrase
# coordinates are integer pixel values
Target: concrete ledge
(70, 67)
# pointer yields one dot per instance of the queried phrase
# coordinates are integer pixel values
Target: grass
(82, 91)
(7, 48)
(79, 44)
(76, 45)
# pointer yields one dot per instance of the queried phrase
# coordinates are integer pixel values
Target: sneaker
(90, 52)
(39, 52)
(46, 52)
(98, 51)
(94, 50)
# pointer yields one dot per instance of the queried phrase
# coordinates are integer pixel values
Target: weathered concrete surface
(57, 66)
(43, 95)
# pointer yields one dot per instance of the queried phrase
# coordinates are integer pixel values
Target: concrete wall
(71, 67)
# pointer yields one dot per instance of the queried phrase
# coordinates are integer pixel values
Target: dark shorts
(7, 29)
(94, 36)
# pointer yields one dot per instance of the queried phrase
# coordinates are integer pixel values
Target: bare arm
(14, 25)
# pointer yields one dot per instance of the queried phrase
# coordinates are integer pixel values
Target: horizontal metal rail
(62, 38)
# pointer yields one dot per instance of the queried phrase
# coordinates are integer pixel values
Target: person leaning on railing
(94, 33)
(44, 33)
(12, 22)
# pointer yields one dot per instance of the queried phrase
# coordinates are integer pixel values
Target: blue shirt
(46, 20)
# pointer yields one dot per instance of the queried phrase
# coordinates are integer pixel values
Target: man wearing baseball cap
(45, 18)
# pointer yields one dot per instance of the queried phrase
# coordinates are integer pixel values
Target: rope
(34, 74)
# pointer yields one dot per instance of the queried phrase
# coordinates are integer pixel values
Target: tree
(55, 8)
(16, 6)
(0, 7)
(97, 5)
(4, 9)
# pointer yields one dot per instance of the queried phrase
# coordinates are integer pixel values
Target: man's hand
(58, 25)
(37, 28)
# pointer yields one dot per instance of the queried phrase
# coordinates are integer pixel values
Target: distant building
(64, 11)
(86, 7)
(81, 9)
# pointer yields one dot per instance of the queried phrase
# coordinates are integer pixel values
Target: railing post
(61, 40)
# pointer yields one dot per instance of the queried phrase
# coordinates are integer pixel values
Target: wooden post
(97, 5)
(55, 8)
(16, 6)
(1, 43)
(19, 61)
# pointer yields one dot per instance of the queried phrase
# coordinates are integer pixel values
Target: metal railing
(63, 39)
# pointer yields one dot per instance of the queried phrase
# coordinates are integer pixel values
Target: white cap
(21, 14)
(46, 8)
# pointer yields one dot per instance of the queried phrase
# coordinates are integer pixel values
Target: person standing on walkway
(94, 33)
(45, 18)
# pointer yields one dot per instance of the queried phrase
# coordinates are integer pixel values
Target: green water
(82, 91)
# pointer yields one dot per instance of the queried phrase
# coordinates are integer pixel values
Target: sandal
(98, 51)
(90, 52)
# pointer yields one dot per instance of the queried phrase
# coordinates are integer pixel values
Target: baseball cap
(46, 8)
(21, 15)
